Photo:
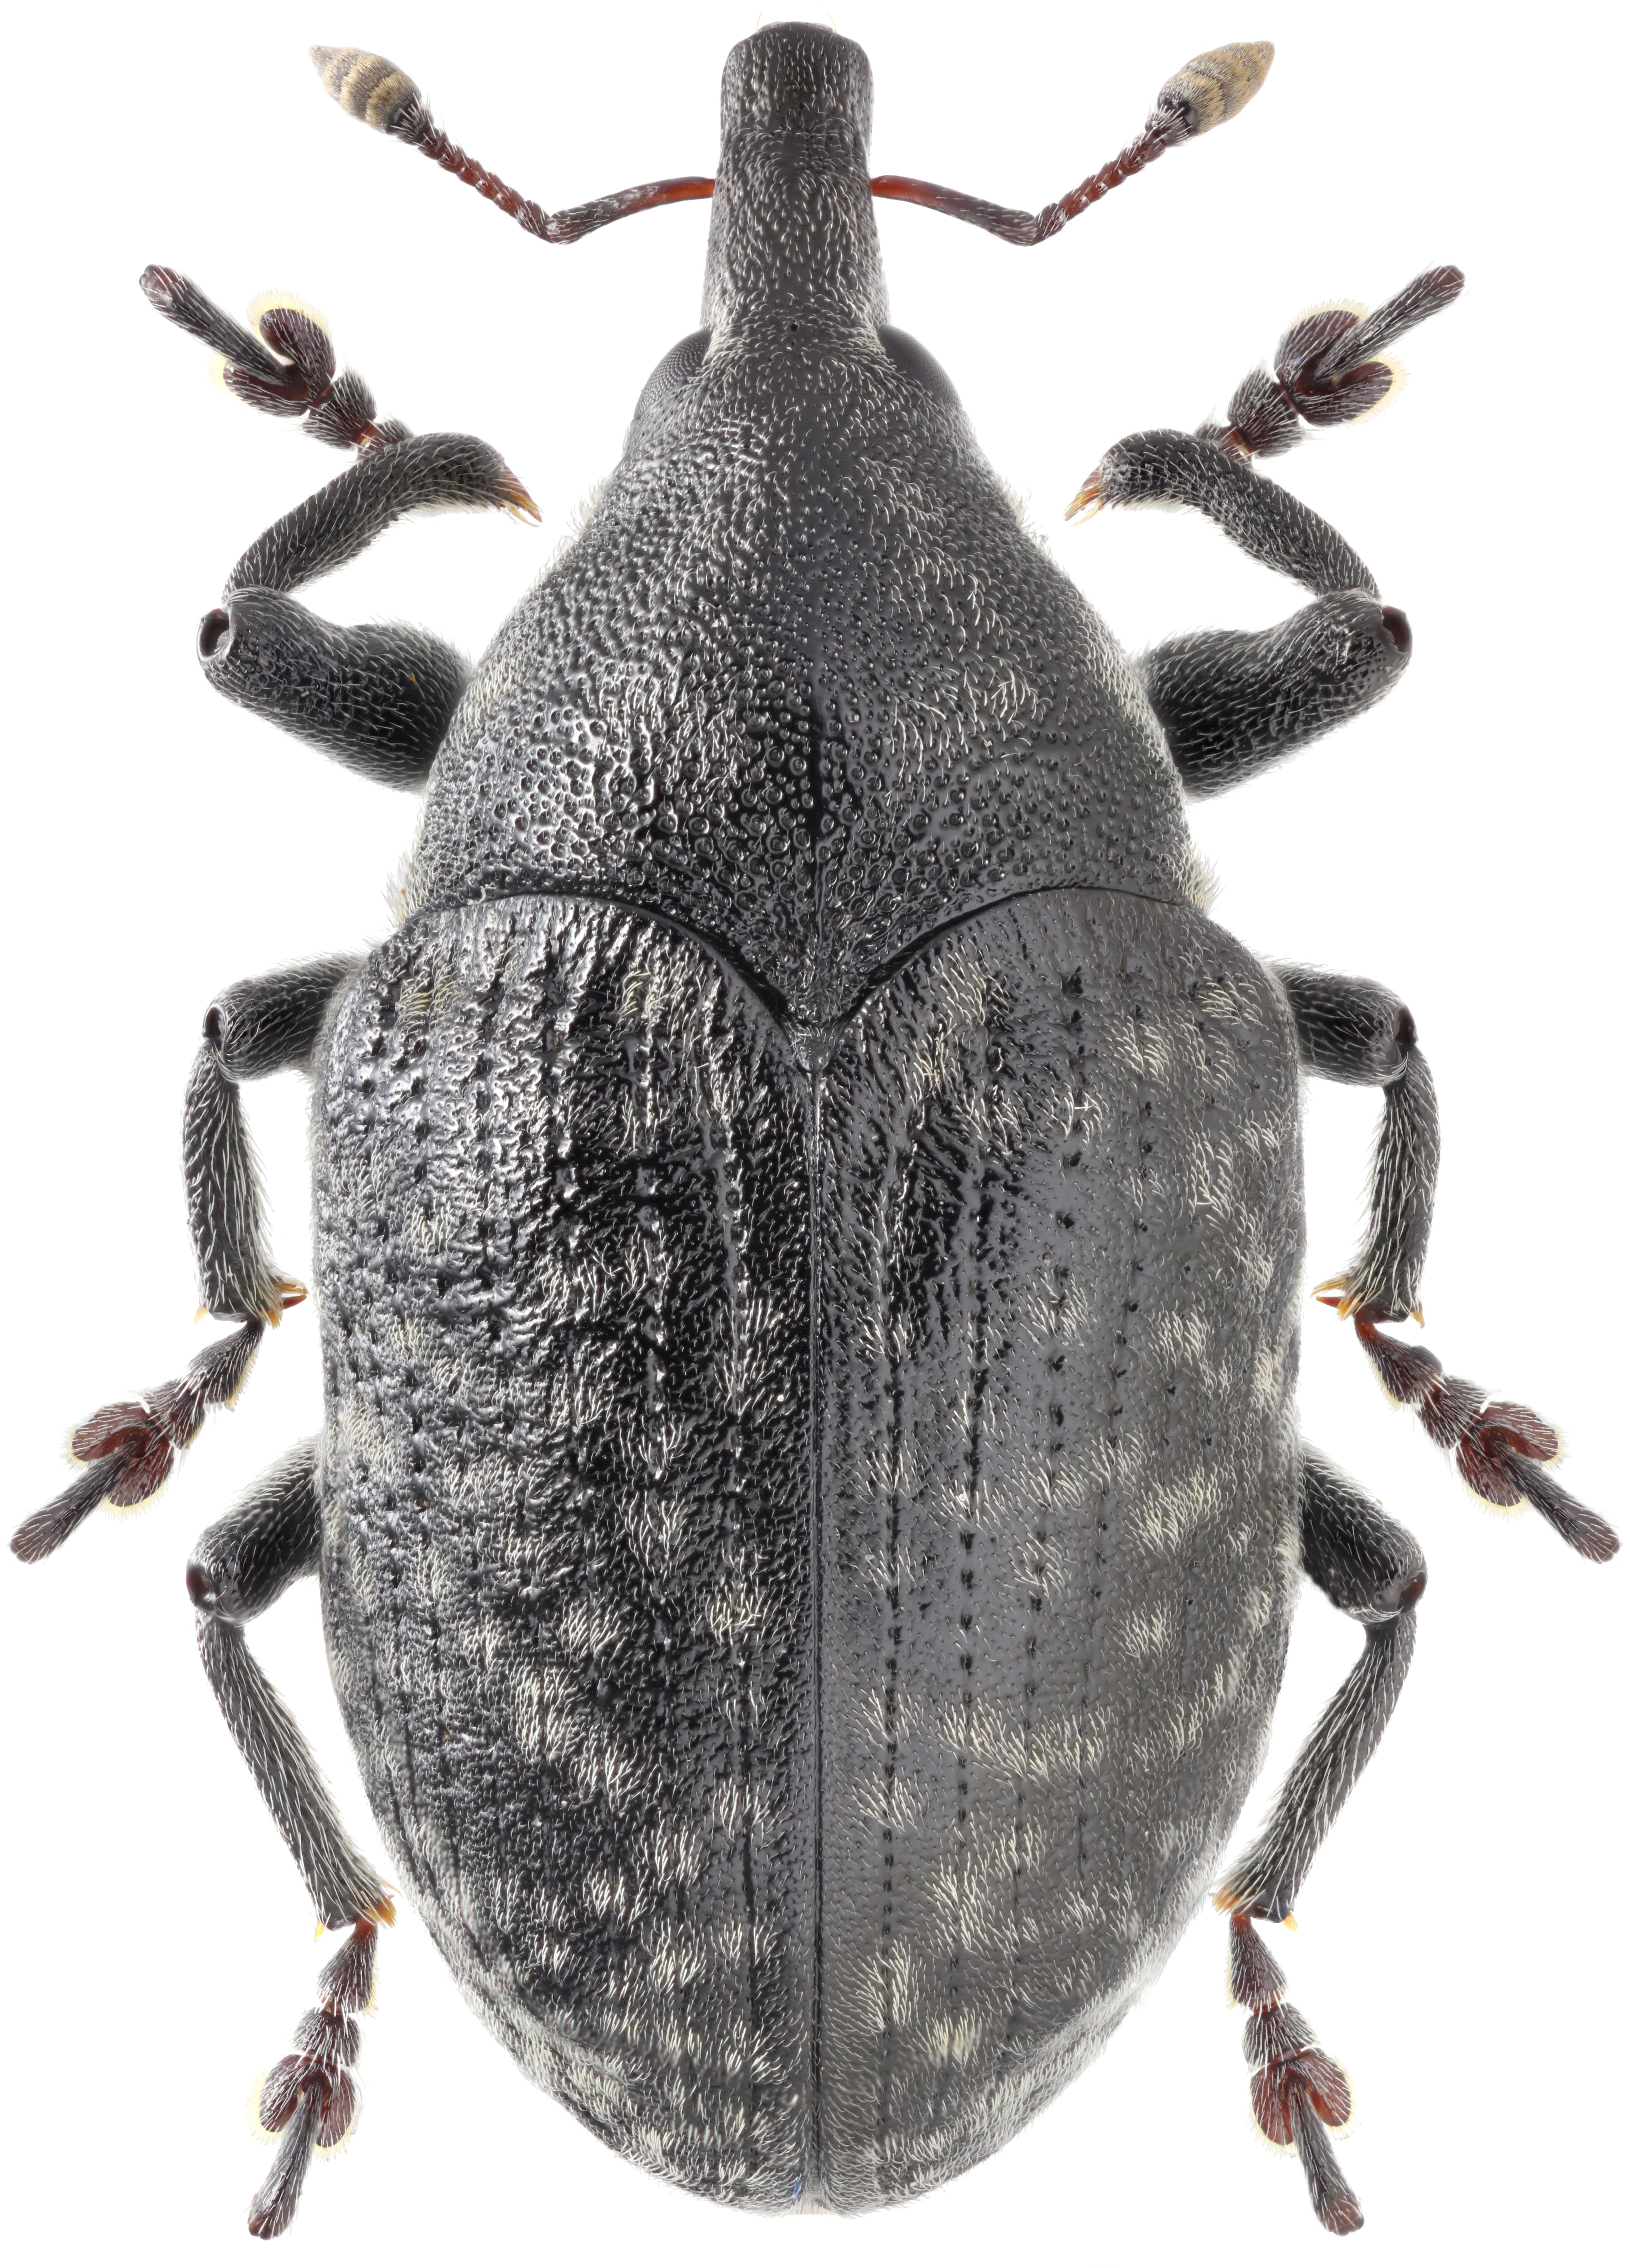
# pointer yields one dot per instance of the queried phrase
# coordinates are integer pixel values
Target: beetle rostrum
(808, 1225)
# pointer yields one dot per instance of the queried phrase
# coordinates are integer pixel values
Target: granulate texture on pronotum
(808, 1226)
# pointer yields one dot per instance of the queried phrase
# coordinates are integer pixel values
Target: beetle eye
(916, 363)
(675, 370)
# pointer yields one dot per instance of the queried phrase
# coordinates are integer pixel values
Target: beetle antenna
(1205, 92)
(384, 96)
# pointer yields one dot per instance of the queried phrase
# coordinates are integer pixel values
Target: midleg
(1233, 702)
(129, 1449)
(377, 697)
(1361, 1033)
(1363, 1036)
(1373, 1570)
(268, 1024)
(239, 1566)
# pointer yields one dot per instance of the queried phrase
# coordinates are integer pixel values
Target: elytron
(808, 1225)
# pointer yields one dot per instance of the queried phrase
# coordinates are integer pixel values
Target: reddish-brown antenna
(384, 96)
(1204, 93)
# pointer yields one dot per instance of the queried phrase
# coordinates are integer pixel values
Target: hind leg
(1364, 1035)
(129, 1449)
(239, 1566)
(1372, 1569)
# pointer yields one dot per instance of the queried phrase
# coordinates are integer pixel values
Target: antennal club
(1205, 92)
(382, 96)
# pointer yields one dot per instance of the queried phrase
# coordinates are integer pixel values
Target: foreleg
(1232, 703)
(239, 1566)
(1362, 1033)
(377, 697)
(129, 1449)
(1373, 1570)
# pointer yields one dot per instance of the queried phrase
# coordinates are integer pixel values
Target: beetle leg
(422, 472)
(1362, 1033)
(1373, 1570)
(310, 2098)
(1237, 702)
(1501, 1448)
(379, 697)
(273, 1538)
(284, 366)
(1296, 2089)
(129, 1449)
(239, 1566)
(1233, 702)
(268, 1024)
(1327, 369)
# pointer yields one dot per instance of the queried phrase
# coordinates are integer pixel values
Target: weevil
(808, 1226)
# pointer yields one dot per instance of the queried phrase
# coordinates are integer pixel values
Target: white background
(1461, 1940)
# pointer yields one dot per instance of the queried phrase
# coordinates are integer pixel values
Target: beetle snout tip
(1087, 501)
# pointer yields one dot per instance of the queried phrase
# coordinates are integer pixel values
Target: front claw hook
(1087, 499)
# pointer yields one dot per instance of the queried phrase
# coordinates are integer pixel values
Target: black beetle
(121, 1441)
